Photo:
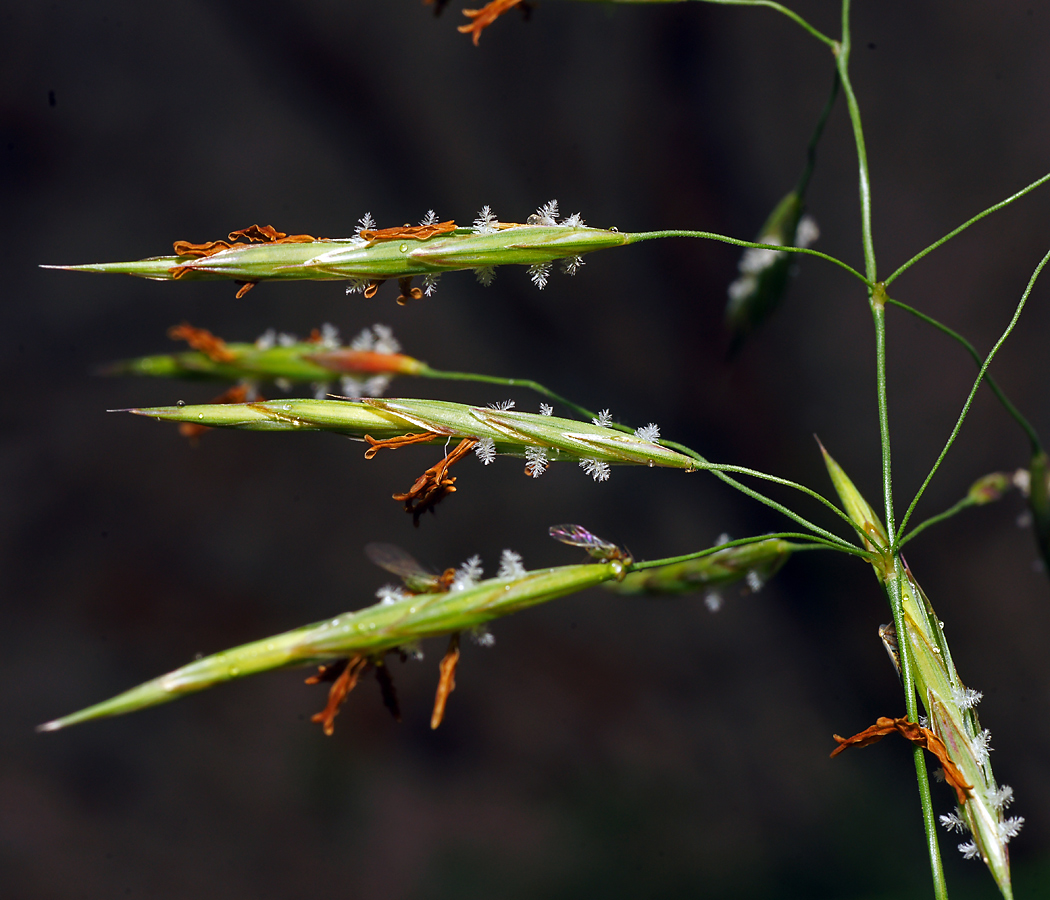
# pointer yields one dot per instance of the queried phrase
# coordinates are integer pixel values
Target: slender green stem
(966, 225)
(965, 503)
(815, 543)
(811, 150)
(791, 14)
(639, 236)
(1002, 398)
(878, 312)
(842, 63)
(428, 372)
(720, 473)
(976, 385)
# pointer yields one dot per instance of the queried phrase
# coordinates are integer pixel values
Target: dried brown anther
(402, 440)
(267, 234)
(486, 16)
(406, 232)
(341, 687)
(245, 287)
(203, 340)
(407, 291)
(917, 735)
(372, 288)
(447, 681)
(434, 484)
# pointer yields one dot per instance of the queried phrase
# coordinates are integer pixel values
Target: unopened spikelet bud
(753, 563)
(764, 273)
(369, 361)
(990, 488)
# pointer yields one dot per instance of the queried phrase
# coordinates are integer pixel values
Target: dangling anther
(338, 692)
(407, 291)
(386, 688)
(400, 441)
(917, 735)
(245, 287)
(434, 484)
(203, 340)
(447, 681)
(373, 286)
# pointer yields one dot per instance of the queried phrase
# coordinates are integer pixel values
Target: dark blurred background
(605, 746)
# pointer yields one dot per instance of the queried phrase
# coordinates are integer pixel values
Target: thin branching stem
(976, 385)
(720, 473)
(965, 225)
(1012, 410)
(814, 543)
(790, 13)
(965, 503)
(639, 236)
(811, 150)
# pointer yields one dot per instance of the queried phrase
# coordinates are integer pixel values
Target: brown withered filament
(236, 394)
(400, 441)
(447, 681)
(386, 688)
(267, 234)
(486, 16)
(340, 689)
(245, 287)
(434, 484)
(203, 340)
(407, 291)
(406, 232)
(917, 735)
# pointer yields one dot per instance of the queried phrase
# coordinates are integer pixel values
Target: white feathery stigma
(597, 469)
(571, 264)
(1002, 797)
(485, 450)
(953, 822)
(485, 275)
(650, 433)
(357, 285)
(540, 273)
(754, 581)
(1010, 828)
(430, 284)
(363, 341)
(806, 232)
(429, 219)
(510, 565)
(535, 461)
(486, 222)
(573, 221)
(481, 636)
(329, 337)
(320, 389)
(266, 340)
(468, 574)
(546, 409)
(982, 746)
(390, 593)
(969, 850)
(385, 342)
(375, 386)
(966, 698)
(351, 387)
(365, 223)
(546, 214)
(604, 419)
(713, 601)
(502, 405)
